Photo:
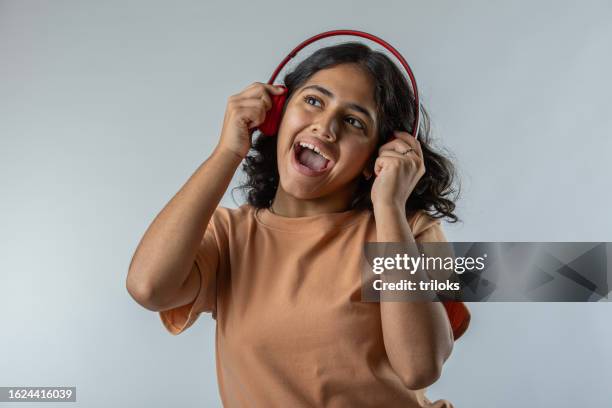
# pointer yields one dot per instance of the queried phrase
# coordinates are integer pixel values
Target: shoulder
(231, 218)
(424, 227)
(232, 214)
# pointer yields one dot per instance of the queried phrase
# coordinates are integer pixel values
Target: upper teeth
(313, 147)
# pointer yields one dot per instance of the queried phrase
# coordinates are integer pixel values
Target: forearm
(164, 257)
(417, 335)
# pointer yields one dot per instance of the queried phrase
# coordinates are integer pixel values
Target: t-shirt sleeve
(207, 260)
(429, 229)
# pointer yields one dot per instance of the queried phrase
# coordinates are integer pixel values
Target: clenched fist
(245, 111)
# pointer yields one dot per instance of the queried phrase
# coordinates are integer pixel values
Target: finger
(253, 110)
(263, 99)
(267, 100)
(275, 89)
(395, 153)
(383, 161)
(397, 144)
(418, 148)
(256, 102)
(259, 89)
(406, 136)
(390, 157)
(254, 117)
(411, 140)
(410, 157)
(259, 93)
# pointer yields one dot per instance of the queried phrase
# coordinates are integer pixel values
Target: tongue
(312, 160)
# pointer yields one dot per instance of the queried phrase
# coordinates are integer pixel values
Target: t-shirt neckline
(311, 223)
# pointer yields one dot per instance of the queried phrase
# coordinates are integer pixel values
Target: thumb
(279, 89)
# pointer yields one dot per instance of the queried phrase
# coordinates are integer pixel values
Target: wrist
(228, 154)
(390, 208)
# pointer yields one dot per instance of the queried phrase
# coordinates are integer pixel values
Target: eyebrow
(351, 105)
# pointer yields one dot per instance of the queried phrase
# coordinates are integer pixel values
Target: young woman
(281, 274)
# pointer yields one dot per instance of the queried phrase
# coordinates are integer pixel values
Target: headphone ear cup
(271, 123)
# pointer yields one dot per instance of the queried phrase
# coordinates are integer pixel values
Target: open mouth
(308, 162)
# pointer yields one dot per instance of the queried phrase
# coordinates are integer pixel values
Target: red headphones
(270, 125)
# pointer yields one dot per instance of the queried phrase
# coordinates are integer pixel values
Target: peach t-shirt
(290, 328)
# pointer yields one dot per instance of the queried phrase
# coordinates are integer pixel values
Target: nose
(326, 126)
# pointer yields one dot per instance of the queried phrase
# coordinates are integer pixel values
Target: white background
(106, 108)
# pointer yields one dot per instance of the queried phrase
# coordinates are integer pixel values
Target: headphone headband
(369, 37)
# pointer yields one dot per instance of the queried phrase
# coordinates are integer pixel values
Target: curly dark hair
(435, 192)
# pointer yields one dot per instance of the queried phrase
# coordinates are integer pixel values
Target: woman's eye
(360, 125)
(310, 98)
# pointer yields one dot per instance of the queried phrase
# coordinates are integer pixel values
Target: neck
(287, 205)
